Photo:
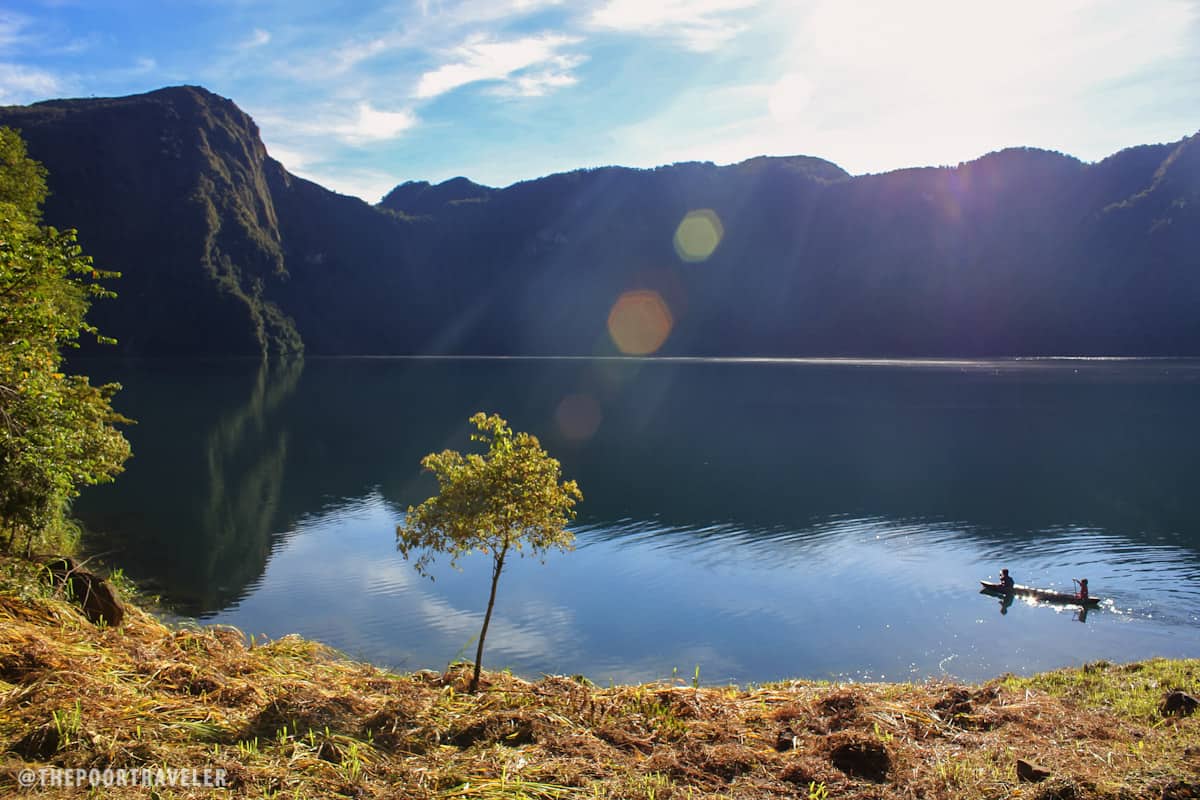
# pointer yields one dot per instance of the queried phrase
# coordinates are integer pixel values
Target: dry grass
(292, 719)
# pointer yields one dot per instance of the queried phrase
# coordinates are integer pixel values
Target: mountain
(1020, 252)
(422, 197)
(170, 189)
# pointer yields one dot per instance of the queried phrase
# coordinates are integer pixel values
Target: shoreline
(292, 718)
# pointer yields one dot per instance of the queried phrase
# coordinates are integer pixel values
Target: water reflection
(195, 514)
(808, 505)
(1006, 603)
(246, 456)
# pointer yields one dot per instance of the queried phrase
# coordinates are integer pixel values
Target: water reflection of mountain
(1008, 454)
(196, 511)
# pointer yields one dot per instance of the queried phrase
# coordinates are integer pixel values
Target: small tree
(509, 499)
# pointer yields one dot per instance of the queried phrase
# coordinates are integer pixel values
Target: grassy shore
(290, 718)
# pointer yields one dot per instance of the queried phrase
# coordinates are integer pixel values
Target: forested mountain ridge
(1020, 252)
(170, 189)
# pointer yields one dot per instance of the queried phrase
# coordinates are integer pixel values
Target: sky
(362, 96)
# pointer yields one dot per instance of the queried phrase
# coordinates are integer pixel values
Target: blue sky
(362, 96)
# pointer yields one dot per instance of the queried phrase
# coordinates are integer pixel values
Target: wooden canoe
(1043, 595)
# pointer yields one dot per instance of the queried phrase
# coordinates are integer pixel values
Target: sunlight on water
(637, 599)
(760, 519)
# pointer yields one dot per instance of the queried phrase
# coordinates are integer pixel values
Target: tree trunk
(497, 565)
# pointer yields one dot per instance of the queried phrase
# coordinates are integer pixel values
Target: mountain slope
(1020, 252)
(170, 189)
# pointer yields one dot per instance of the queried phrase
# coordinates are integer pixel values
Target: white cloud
(362, 125)
(483, 59)
(789, 97)
(292, 158)
(326, 166)
(477, 11)
(21, 84)
(372, 125)
(351, 55)
(366, 184)
(80, 44)
(536, 84)
(12, 27)
(257, 39)
(19, 36)
(698, 25)
(326, 63)
(429, 26)
(937, 46)
(312, 145)
(938, 91)
(878, 86)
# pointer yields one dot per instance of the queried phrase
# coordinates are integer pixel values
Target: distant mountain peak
(184, 93)
(815, 167)
(422, 197)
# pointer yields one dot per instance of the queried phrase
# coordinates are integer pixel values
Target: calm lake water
(758, 519)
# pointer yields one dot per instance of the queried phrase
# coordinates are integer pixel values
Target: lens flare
(698, 235)
(639, 322)
(578, 416)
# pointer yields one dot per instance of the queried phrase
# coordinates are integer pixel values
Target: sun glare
(698, 235)
(578, 416)
(640, 322)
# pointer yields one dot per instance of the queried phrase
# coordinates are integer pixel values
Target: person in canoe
(1006, 581)
(1083, 590)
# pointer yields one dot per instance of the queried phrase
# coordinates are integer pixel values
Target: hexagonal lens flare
(640, 322)
(698, 235)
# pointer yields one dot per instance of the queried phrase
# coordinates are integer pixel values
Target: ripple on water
(895, 597)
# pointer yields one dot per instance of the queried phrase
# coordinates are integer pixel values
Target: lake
(757, 519)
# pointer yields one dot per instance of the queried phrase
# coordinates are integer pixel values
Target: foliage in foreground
(510, 499)
(291, 719)
(56, 431)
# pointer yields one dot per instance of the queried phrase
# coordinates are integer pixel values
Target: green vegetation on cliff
(171, 189)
